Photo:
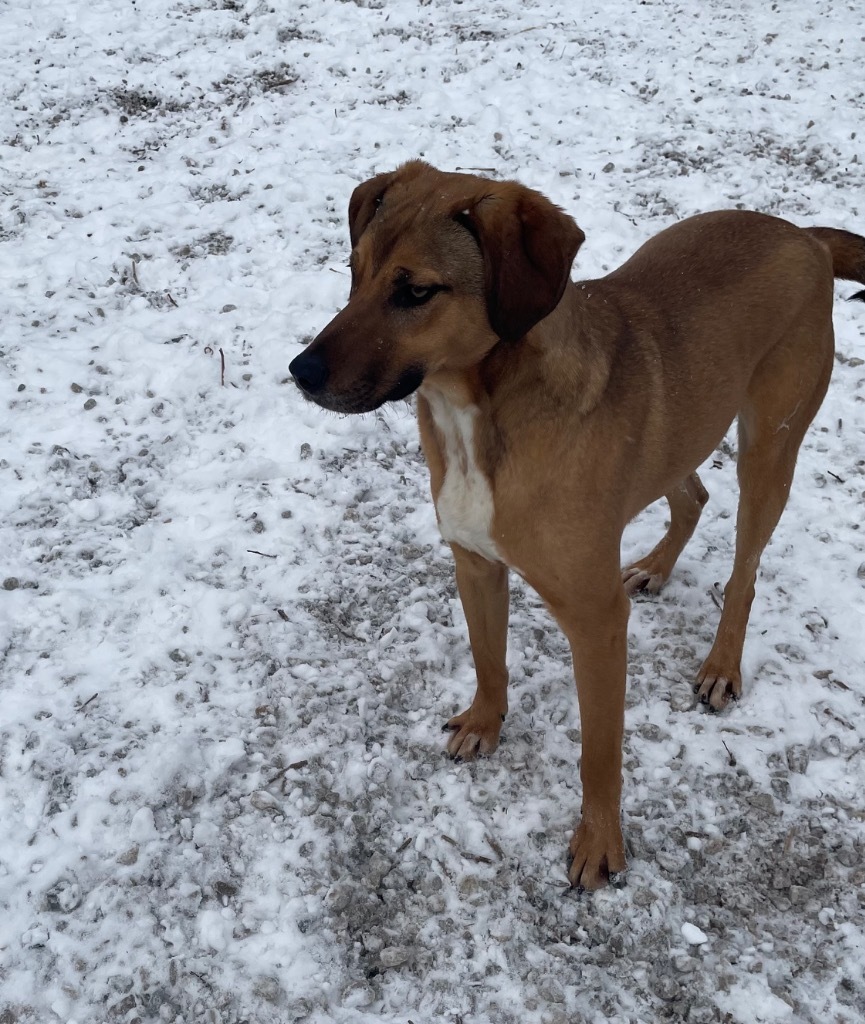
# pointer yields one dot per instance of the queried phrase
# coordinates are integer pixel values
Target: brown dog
(551, 413)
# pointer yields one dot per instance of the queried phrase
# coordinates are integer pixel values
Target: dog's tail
(848, 254)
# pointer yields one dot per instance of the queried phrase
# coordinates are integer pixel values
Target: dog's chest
(465, 502)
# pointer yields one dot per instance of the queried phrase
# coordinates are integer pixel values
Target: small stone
(337, 898)
(664, 986)
(430, 883)
(35, 938)
(64, 897)
(797, 758)
(76, 388)
(261, 800)
(11, 583)
(781, 789)
(228, 308)
(393, 956)
(644, 897)
(357, 994)
(609, 167)
(90, 404)
(129, 858)
(306, 450)
(268, 988)
(299, 1010)
(798, 895)
(763, 802)
(377, 867)
(551, 991)
(831, 746)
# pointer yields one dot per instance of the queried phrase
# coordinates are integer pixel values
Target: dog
(552, 412)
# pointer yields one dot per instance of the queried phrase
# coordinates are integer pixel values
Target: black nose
(310, 371)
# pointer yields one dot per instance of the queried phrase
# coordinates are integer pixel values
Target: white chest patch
(465, 501)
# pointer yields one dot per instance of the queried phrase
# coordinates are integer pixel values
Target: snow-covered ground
(228, 629)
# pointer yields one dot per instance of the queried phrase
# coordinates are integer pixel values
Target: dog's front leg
(483, 588)
(596, 628)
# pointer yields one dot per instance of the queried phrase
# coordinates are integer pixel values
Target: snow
(229, 632)
(693, 935)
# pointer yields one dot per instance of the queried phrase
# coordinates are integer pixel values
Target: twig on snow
(288, 768)
(499, 852)
(788, 842)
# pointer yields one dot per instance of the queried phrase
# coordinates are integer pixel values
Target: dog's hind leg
(483, 588)
(782, 399)
(686, 503)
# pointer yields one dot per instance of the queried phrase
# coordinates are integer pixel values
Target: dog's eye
(415, 294)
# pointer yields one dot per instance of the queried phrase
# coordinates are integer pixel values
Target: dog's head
(443, 268)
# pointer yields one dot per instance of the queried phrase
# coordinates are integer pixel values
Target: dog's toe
(716, 691)
(594, 855)
(637, 579)
(473, 734)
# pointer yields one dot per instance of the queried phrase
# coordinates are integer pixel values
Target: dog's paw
(716, 687)
(636, 578)
(595, 854)
(475, 732)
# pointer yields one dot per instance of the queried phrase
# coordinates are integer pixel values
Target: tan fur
(583, 403)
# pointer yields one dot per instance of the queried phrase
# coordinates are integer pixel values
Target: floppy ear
(364, 202)
(528, 245)
(366, 198)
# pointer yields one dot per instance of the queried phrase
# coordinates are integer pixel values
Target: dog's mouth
(366, 396)
(409, 381)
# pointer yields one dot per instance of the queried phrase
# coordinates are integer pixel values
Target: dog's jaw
(365, 397)
(409, 381)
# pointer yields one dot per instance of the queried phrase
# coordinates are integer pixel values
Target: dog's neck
(569, 354)
(575, 344)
